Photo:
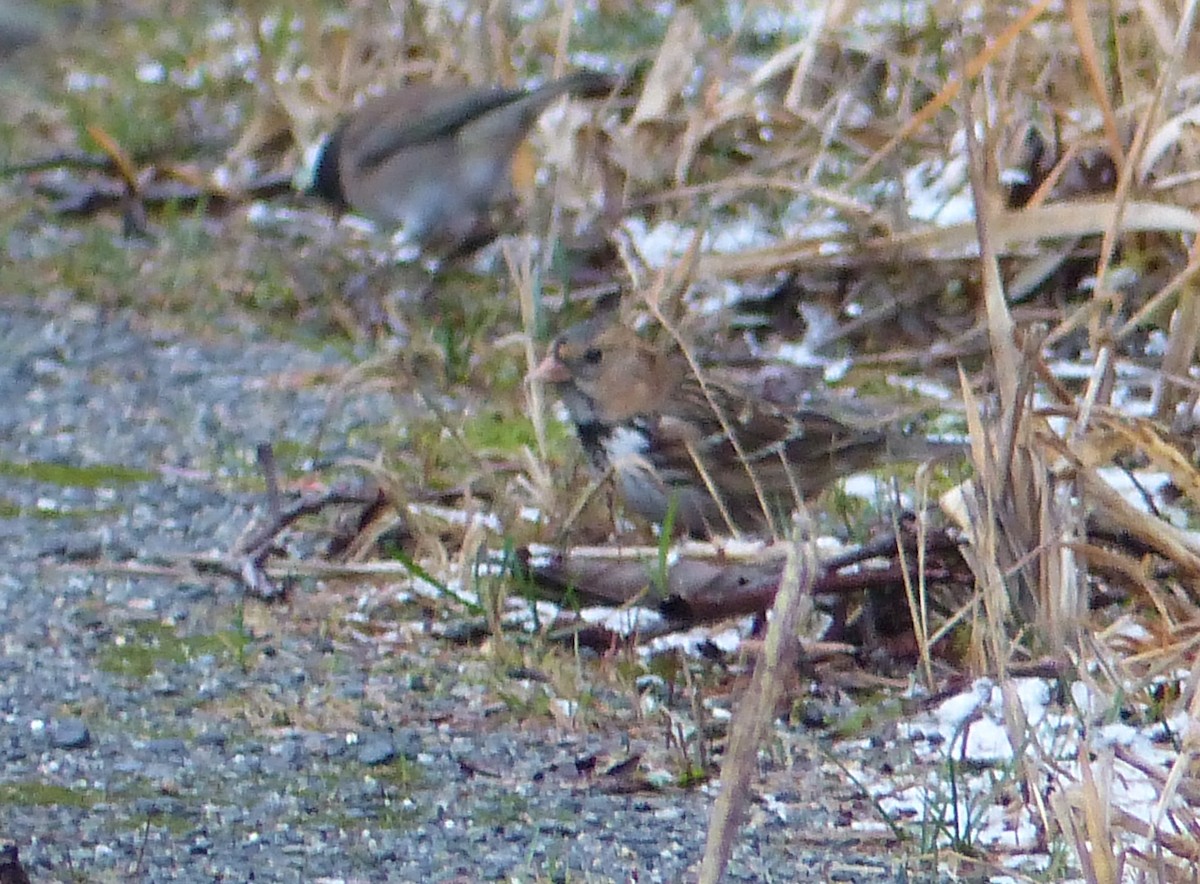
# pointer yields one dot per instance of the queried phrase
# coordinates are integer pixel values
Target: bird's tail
(581, 84)
(501, 118)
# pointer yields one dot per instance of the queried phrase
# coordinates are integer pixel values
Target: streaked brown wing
(704, 455)
(803, 452)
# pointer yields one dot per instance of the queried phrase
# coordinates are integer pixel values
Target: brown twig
(258, 544)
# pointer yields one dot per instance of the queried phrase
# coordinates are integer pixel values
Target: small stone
(409, 744)
(377, 750)
(167, 746)
(213, 739)
(69, 733)
(78, 548)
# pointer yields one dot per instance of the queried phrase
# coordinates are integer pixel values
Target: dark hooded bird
(435, 160)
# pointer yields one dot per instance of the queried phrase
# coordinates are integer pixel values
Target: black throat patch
(592, 436)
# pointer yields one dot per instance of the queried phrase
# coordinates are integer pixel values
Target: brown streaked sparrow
(726, 460)
(436, 159)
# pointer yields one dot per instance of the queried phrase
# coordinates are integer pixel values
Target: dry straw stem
(1166, 649)
(917, 595)
(756, 711)
(639, 147)
(1020, 531)
(672, 68)
(654, 301)
(1100, 333)
(1177, 812)
(1020, 734)
(1119, 568)
(979, 523)
(1158, 301)
(1184, 761)
(1079, 460)
(1092, 800)
(830, 16)
(1011, 230)
(1168, 541)
(1182, 338)
(1077, 12)
(1015, 525)
(1144, 437)
(999, 319)
(520, 272)
(950, 92)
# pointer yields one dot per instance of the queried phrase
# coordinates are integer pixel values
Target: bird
(720, 458)
(11, 870)
(435, 159)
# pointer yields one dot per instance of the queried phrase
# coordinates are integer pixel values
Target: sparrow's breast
(619, 446)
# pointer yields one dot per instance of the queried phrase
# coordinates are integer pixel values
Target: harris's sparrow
(436, 160)
(721, 457)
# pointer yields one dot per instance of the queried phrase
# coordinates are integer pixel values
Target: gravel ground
(158, 728)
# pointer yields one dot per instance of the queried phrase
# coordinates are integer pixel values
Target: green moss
(50, 515)
(869, 714)
(145, 647)
(534, 704)
(504, 808)
(692, 775)
(177, 823)
(506, 433)
(70, 476)
(396, 815)
(400, 774)
(34, 794)
(395, 808)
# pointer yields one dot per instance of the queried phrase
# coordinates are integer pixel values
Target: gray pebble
(69, 733)
(376, 750)
(167, 746)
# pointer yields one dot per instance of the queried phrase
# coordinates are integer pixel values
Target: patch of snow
(150, 72)
(873, 488)
(453, 516)
(926, 387)
(939, 192)
(689, 642)
(623, 621)
(78, 81)
(667, 241)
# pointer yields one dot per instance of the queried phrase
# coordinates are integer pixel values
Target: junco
(11, 870)
(727, 460)
(436, 159)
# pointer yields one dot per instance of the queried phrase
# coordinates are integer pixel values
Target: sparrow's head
(618, 374)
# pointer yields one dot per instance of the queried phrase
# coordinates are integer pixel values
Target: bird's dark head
(327, 173)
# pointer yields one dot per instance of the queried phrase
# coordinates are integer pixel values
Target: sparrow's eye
(593, 355)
